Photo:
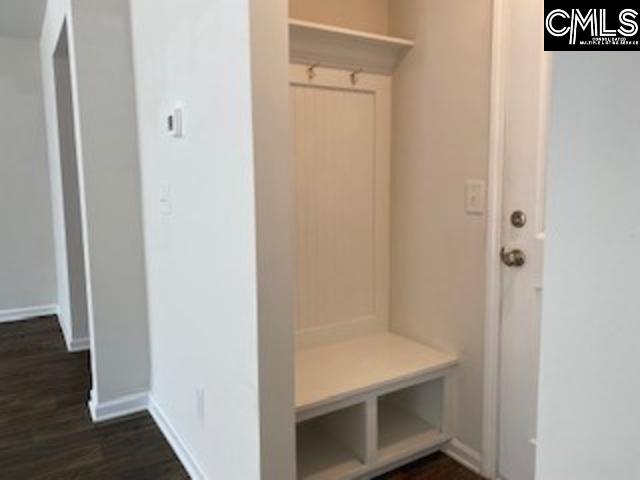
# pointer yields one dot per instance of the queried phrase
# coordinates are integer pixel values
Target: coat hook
(311, 71)
(354, 76)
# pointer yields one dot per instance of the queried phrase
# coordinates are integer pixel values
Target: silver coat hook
(354, 76)
(311, 71)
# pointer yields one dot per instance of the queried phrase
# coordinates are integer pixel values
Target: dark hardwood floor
(45, 428)
(435, 467)
(46, 431)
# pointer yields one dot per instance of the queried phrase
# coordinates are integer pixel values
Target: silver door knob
(513, 258)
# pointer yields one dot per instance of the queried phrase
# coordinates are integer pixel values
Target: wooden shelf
(321, 457)
(336, 372)
(401, 433)
(334, 47)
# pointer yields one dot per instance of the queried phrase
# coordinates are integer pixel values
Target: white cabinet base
(391, 413)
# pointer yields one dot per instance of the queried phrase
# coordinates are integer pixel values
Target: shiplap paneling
(341, 190)
(335, 133)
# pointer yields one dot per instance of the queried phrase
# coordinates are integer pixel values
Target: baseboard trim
(120, 407)
(74, 345)
(180, 448)
(27, 313)
(79, 345)
(141, 402)
(464, 455)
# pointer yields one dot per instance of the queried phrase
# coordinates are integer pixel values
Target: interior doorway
(69, 168)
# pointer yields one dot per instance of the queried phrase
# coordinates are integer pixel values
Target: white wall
(49, 38)
(104, 104)
(27, 272)
(589, 427)
(440, 140)
(207, 305)
(367, 15)
(275, 236)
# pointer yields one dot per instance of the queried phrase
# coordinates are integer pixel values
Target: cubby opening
(332, 446)
(410, 419)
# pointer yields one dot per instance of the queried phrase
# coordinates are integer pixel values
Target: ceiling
(22, 18)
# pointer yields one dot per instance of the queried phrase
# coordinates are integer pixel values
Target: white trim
(120, 407)
(76, 345)
(144, 402)
(27, 313)
(464, 455)
(65, 332)
(178, 445)
(491, 408)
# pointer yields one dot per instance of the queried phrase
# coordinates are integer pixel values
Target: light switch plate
(476, 194)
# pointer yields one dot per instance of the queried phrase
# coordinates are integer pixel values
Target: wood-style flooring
(435, 467)
(45, 428)
(46, 431)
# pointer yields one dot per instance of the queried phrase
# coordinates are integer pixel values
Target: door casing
(495, 209)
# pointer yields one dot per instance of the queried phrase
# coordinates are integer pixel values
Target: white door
(527, 85)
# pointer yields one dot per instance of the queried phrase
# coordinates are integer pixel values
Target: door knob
(513, 258)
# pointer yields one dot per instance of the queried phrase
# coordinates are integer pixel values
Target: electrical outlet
(200, 403)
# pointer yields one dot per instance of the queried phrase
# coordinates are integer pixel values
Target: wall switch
(200, 403)
(476, 193)
(166, 205)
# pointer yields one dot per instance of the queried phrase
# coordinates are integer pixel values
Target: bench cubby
(366, 405)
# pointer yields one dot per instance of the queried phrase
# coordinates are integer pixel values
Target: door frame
(493, 301)
(69, 325)
(493, 310)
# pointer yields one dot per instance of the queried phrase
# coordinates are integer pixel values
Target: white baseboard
(464, 455)
(181, 450)
(79, 345)
(120, 407)
(130, 404)
(74, 345)
(27, 313)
